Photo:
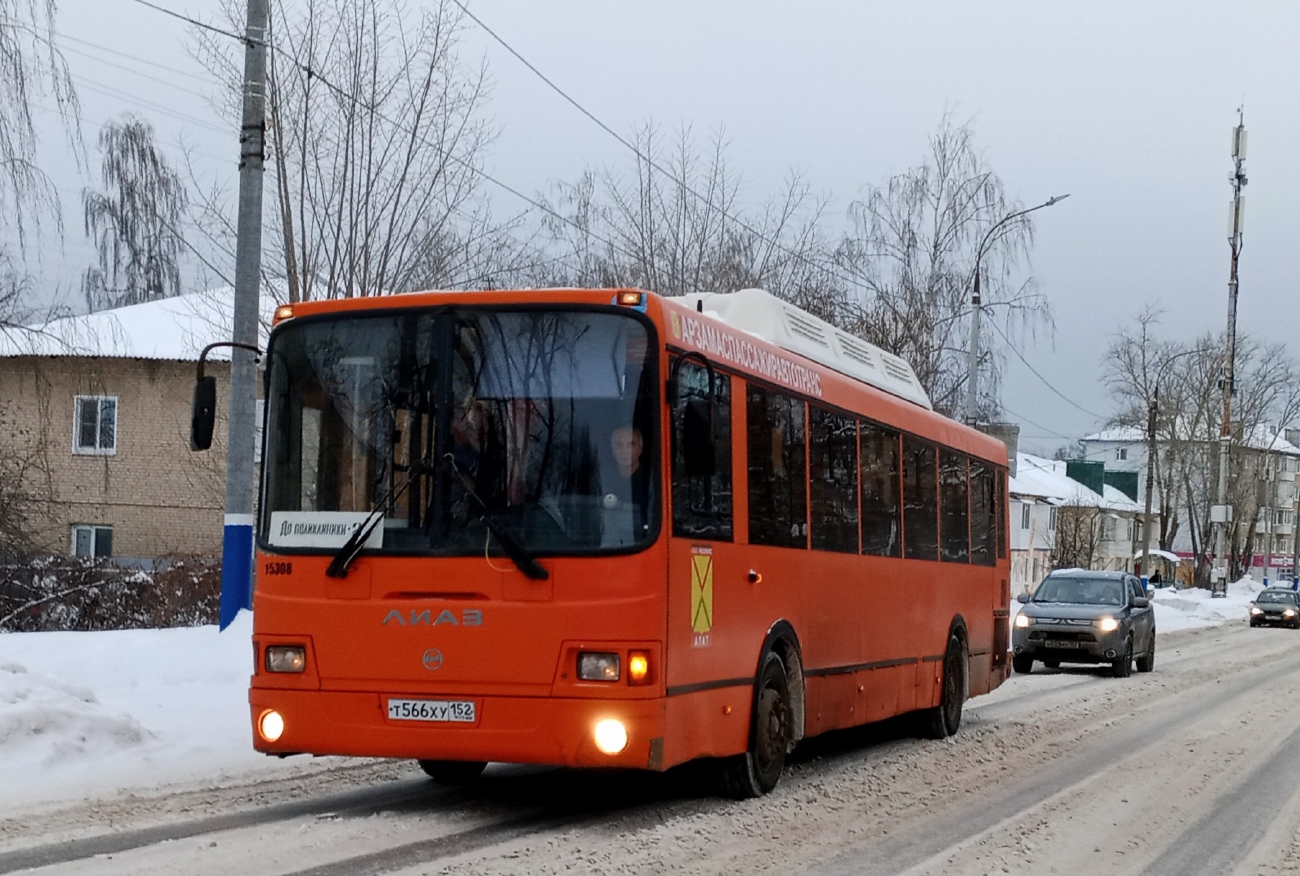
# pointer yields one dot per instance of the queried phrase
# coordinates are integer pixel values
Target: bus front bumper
(537, 730)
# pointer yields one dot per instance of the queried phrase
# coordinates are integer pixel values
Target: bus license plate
(438, 711)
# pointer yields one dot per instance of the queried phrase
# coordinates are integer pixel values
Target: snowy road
(1194, 768)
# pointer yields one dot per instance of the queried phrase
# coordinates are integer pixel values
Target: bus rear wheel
(944, 719)
(757, 771)
(453, 772)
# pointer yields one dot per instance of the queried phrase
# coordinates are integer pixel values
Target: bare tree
(676, 224)
(375, 142)
(31, 66)
(913, 248)
(1189, 423)
(1078, 536)
(136, 221)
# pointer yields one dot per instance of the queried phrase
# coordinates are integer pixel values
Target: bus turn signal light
(638, 667)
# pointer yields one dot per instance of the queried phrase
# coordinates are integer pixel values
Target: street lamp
(976, 308)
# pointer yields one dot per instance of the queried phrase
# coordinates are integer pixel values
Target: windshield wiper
(514, 550)
(338, 567)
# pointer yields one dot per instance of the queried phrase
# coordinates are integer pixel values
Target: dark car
(1276, 606)
(1078, 616)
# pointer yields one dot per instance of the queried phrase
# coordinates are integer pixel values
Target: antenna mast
(1221, 513)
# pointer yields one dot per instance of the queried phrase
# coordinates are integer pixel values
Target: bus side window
(778, 479)
(702, 503)
(920, 500)
(833, 480)
(983, 514)
(954, 506)
(881, 506)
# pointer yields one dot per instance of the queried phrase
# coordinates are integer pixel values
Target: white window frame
(1121, 453)
(77, 446)
(94, 529)
(1026, 510)
(1051, 519)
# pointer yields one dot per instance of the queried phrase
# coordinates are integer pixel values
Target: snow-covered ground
(86, 714)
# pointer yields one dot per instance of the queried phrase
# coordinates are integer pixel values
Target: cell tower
(1221, 513)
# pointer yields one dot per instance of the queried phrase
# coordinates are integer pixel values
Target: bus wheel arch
(784, 642)
(776, 718)
(943, 720)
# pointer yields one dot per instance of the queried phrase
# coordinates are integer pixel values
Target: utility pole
(1150, 485)
(1221, 513)
(237, 543)
(1270, 492)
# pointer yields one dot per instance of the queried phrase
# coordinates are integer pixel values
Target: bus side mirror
(203, 412)
(699, 453)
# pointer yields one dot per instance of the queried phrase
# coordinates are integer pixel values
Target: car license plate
(1061, 643)
(437, 711)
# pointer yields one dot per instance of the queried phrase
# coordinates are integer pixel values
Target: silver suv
(1078, 616)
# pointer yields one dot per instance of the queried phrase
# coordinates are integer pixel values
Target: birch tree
(912, 251)
(136, 221)
(31, 67)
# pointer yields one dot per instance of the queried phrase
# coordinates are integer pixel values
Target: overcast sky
(1127, 107)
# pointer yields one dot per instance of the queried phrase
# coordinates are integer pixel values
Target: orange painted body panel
(871, 631)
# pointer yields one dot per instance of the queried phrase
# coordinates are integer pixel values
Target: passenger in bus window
(627, 444)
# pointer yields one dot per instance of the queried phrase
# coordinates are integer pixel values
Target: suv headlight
(1023, 620)
(1107, 624)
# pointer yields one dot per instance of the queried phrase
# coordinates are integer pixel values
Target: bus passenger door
(703, 564)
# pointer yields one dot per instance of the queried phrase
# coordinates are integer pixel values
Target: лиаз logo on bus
(701, 595)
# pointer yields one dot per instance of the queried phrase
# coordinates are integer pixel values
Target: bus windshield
(539, 422)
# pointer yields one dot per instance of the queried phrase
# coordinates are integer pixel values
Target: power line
(854, 278)
(1045, 381)
(340, 92)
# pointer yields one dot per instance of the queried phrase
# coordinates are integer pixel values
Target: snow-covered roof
(1045, 480)
(1124, 434)
(170, 328)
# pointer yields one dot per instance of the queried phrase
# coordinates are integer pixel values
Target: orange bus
(603, 528)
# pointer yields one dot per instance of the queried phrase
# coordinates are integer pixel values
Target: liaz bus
(604, 528)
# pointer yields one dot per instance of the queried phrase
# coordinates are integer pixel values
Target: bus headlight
(598, 666)
(286, 658)
(1107, 624)
(270, 725)
(611, 736)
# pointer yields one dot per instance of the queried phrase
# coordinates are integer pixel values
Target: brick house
(94, 426)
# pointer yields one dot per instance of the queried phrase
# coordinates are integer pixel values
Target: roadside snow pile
(1185, 609)
(44, 721)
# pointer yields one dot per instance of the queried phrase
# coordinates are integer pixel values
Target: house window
(1282, 518)
(92, 541)
(1121, 453)
(1051, 519)
(1024, 516)
(95, 424)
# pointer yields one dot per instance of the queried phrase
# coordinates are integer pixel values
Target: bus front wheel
(453, 772)
(757, 771)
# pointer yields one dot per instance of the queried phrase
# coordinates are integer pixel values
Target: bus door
(705, 570)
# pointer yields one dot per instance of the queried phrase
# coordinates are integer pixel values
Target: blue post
(236, 567)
